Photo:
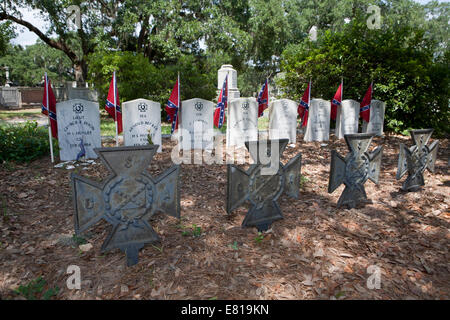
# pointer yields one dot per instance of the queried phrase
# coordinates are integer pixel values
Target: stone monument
(376, 120)
(318, 125)
(233, 91)
(354, 170)
(347, 119)
(126, 199)
(78, 129)
(197, 125)
(416, 159)
(260, 189)
(283, 120)
(242, 122)
(140, 118)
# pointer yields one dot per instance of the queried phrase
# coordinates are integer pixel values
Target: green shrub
(24, 142)
(137, 77)
(407, 74)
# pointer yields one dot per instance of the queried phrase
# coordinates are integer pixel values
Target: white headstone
(78, 120)
(347, 119)
(227, 69)
(283, 120)
(318, 126)
(242, 123)
(197, 114)
(376, 120)
(139, 118)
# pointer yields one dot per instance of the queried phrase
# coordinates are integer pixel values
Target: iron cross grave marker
(262, 190)
(416, 159)
(354, 170)
(126, 199)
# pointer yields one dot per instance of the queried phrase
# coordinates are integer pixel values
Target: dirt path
(315, 252)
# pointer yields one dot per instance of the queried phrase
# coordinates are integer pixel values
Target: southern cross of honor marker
(126, 199)
(416, 159)
(354, 170)
(260, 189)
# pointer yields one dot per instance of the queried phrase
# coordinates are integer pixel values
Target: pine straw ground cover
(316, 252)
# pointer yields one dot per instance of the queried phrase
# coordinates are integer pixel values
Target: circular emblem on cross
(245, 106)
(127, 200)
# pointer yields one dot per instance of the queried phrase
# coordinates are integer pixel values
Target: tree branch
(60, 45)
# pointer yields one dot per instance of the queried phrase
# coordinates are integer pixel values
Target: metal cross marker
(416, 159)
(126, 199)
(354, 169)
(261, 190)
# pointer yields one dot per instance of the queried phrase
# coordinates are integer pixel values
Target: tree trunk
(80, 69)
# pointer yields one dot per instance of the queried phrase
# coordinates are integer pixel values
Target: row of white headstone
(79, 123)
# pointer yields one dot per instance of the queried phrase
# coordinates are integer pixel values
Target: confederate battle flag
(303, 107)
(49, 106)
(263, 99)
(364, 107)
(113, 103)
(173, 105)
(336, 102)
(222, 103)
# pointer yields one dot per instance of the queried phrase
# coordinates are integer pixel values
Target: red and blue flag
(364, 107)
(112, 105)
(172, 106)
(263, 99)
(49, 106)
(222, 103)
(336, 102)
(303, 107)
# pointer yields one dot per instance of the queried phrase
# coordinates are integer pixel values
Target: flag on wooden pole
(337, 100)
(173, 105)
(263, 99)
(303, 107)
(112, 106)
(364, 108)
(49, 109)
(222, 103)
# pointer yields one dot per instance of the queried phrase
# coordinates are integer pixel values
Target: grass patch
(108, 127)
(10, 114)
(263, 123)
(194, 231)
(34, 290)
(259, 238)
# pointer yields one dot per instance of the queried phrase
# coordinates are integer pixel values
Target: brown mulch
(316, 252)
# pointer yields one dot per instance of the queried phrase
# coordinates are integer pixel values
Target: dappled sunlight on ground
(316, 252)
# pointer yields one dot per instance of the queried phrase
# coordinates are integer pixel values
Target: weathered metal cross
(260, 189)
(354, 169)
(126, 199)
(416, 159)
